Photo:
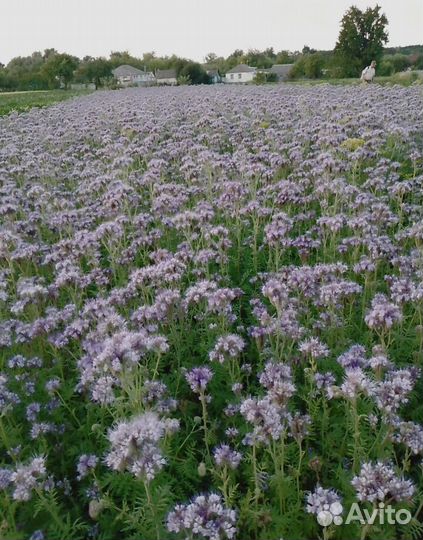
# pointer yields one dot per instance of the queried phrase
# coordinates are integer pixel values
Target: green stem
(356, 434)
(299, 469)
(225, 484)
(152, 508)
(51, 510)
(204, 415)
(256, 486)
(156, 368)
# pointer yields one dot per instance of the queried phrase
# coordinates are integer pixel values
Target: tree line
(51, 69)
(361, 39)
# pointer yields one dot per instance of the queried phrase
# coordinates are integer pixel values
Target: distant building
(166, 76)
(240, 74)
(281, 71)
(130, 76)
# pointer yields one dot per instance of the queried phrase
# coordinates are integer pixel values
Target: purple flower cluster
(378, 482)
(204, 517)
(383, 314)
(86, 463)
(225, 456)
(27, 478)
(229, 346)
(135, 445)
(198, 378)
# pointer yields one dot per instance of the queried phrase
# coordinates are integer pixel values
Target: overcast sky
(189, 28)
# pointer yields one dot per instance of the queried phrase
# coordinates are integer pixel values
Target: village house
(166, 77)
(244, 74)
(240, 74)
(130, 76)
(281, 71)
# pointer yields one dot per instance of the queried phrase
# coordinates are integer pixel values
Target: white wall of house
(171, 81)
(243, 77)
(145, 78)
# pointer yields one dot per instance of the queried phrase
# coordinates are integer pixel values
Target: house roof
(166, 74)
(212, 72)
(126, 71)
(242, 68)
(281, 69)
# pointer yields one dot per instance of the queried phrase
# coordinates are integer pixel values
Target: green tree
(94, 70)
(24, 73)
(211, 58)
(309, 66)
(193, 72)
(119, 58)
(400, 62)
(313, 65)
(418, 64)
(4, 82)
(259, 59)
(237, 57)
(270, 53)
(308, 50)
(263, 77)
(59, 69)
(361, 39)
(284, 57)
(385, 67)
(49, 53)
(298, 69)
(184, 80)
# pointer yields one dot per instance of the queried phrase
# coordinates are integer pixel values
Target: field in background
(24, 101)
(404, 79)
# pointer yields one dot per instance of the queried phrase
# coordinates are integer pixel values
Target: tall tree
(117, 58)
(210, 58)
(194, 73)
(361, 39)
(24, 73)
(259, 59)
(59, 69)
(284, 57)
(94, 70)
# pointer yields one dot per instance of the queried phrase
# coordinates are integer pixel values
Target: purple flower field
(211, 307)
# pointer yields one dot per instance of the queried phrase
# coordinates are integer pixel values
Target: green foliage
(309, 66)
(194, 73)
(58, 69)
(255, 58)
(418, 61)
(94, 70)
(117, 58)
(24, 73)
(184, 80)
(263, 77)
(23, 101)
(313, 66)
(259, 59)
(360, 40)
(400, 62)
(284, 57)
(391, 64)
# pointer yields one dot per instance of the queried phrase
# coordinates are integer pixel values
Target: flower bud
(202, 469)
